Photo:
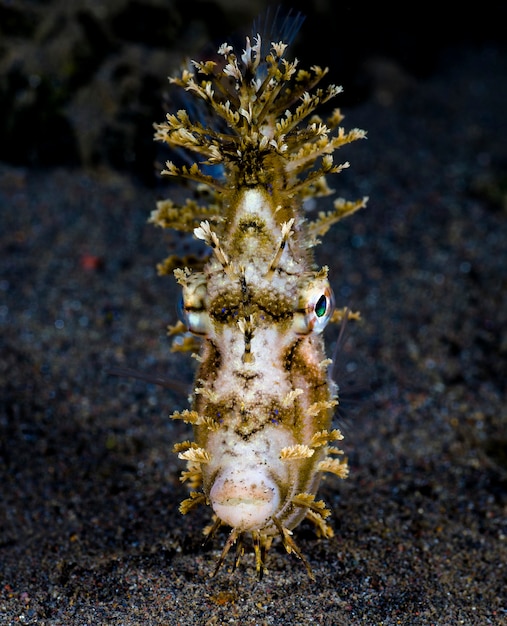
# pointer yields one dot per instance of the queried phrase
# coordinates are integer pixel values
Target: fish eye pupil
(182, 316)
(321, 306)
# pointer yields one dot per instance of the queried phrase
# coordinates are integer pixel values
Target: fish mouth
(245, 500)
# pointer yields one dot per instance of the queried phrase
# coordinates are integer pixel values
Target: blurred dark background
(81, 82)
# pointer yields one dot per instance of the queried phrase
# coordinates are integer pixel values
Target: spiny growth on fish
(263, 402)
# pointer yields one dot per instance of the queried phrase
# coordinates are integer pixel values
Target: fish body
(263, 402)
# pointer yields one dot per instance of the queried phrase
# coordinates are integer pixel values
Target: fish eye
(316, 305)
(196, 320)
(319, 308)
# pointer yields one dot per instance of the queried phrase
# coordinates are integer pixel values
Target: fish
(254, 311)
